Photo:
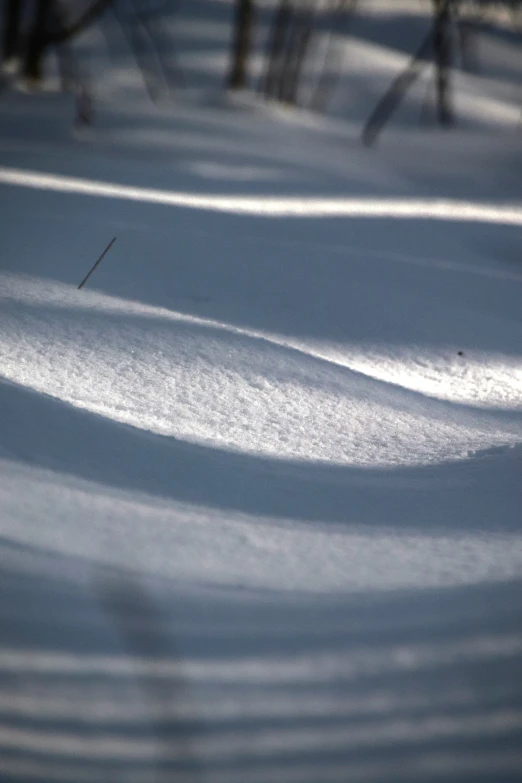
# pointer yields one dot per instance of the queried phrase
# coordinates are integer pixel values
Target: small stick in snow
(111, 243)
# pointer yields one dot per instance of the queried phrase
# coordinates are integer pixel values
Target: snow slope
(260, 492)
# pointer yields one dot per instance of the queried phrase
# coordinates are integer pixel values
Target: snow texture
(260, 496)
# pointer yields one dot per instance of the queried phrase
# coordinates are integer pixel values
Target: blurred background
(411, 62)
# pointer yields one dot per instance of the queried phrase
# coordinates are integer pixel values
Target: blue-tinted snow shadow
(481, 493)
(48, 612)
(104, 653)
(362, 280)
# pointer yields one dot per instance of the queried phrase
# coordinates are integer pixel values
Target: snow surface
(260, 494)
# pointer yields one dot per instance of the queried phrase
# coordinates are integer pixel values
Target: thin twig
(111, 243)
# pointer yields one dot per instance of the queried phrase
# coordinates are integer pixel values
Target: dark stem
(330, 73)
(100, 259)
(11, 28)
(296, 55)
(393, 96)
(244, 17)
(442, 50)
(276, 46)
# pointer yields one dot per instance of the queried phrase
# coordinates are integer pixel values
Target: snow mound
(209, 383)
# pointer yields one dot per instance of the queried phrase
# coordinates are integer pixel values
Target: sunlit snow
(209, 383)
(431, 209)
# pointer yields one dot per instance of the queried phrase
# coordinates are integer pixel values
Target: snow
(209, 382)
(260, 477)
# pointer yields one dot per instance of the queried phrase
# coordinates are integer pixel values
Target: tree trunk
(37, 40)
(276, 48)
(295, 56)
(342, 16)
(44, 33)
(11, 29)
(442, 51)
(244, 15)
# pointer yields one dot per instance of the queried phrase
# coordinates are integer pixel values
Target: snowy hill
(260, 493)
